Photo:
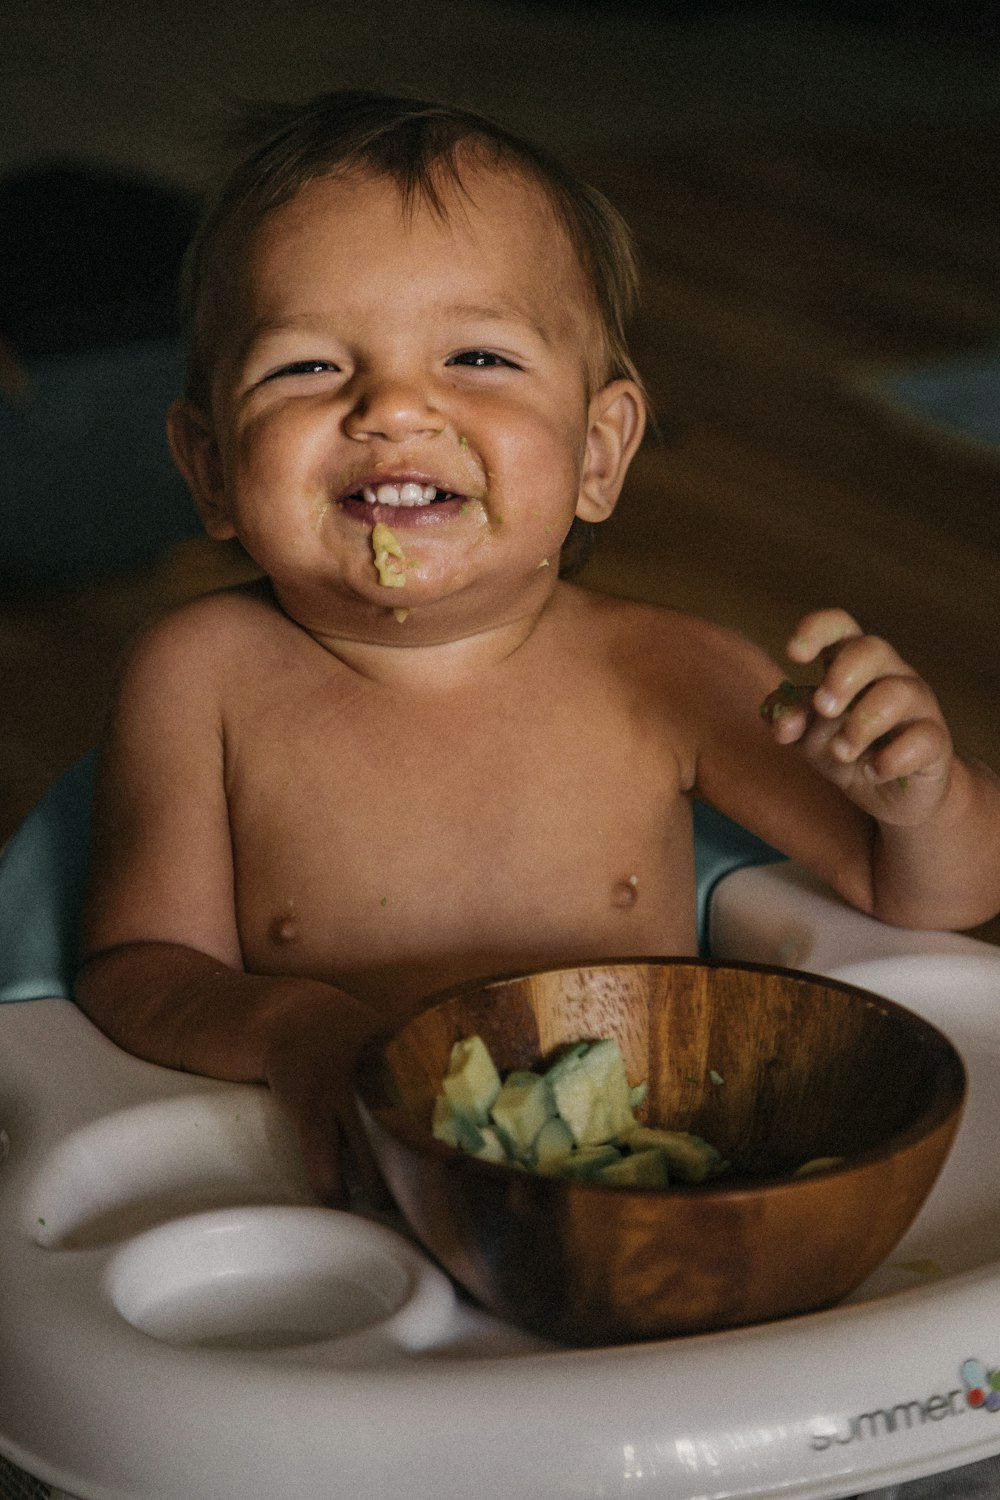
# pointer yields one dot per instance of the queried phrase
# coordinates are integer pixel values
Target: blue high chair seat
(43, 875)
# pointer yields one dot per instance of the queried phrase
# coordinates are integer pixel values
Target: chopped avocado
(521, 1109)
(585, 1162)
(553, 1142)
(641, 1169)
(592, 1093)
(818, 1164)
(575, 1120)
(565, 1061)
(689, 1157)
(455, 1127)
(493, 1148)
(389, 557)
(472, 1082)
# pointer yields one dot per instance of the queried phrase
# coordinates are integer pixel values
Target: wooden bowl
(772, 1067)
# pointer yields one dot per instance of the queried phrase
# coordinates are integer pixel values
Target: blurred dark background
(814, 188)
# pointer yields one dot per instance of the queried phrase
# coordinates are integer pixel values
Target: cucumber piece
(689, 1157)
(521, 1108)
(472, 1082)
(592, 1093)
(552, 1144)
(647, 1169)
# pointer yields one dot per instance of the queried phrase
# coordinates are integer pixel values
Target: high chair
(179, 1320)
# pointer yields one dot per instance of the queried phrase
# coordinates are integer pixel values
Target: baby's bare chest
(430, 841)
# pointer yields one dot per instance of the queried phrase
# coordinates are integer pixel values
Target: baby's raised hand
(871, 725)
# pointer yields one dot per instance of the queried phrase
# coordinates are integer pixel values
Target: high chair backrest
(43, 875)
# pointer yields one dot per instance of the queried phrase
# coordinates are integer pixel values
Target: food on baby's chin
(389, 557)
(575, 1120)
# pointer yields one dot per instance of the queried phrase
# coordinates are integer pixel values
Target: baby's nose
(393, 409)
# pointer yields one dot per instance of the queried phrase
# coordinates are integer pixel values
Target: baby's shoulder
(661, 642)
(205, 639)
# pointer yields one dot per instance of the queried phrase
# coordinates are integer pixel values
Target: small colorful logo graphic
(982, 1386)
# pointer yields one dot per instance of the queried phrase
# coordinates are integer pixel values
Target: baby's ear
(617, 420)
(196, 453)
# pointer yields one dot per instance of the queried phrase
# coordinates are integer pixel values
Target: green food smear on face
(389, 557)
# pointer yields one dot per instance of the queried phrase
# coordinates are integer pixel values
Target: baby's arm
(162, 972)
(873, 728)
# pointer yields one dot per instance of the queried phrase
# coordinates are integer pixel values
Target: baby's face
(432, 374)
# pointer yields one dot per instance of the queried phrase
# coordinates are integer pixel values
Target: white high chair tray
(178, 1321)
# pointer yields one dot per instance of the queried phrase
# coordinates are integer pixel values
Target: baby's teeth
(409, 493)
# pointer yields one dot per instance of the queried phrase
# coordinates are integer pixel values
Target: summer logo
(982, 1386)
(979, 1391)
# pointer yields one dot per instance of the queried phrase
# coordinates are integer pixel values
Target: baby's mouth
(401, 501)
(405, 495)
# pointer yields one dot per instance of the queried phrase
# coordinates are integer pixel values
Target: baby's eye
(303, 367)
(481, 359)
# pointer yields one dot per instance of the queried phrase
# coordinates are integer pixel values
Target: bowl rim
(948, 1104)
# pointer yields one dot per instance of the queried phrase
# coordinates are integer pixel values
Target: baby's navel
(284, 929)
(626, 892)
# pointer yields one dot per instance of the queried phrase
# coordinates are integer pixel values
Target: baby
(414, 752)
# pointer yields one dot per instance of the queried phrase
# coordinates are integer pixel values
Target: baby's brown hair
(420, 146)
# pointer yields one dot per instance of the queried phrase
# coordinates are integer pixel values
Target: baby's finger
(921, 749)
(884, 706)
(854, 669)
(820, 632)
(787, 711)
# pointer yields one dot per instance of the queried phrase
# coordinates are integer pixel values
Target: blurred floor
(816, 202)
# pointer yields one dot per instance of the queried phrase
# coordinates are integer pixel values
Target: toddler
(416, 752)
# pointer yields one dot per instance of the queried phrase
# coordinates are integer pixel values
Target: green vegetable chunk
(642, 1169)
(818, 1164)
(472, 1082)
(454, 1127)
(689, 1157)
(493, 1147)
(553, 1143)
(521, 1109)
(586, 1162)
(592, 1093)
